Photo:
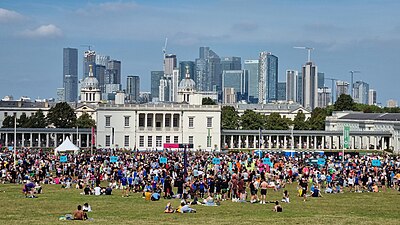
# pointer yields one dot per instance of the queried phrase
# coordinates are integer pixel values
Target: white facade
(149, 126)
(291, 85)
(372, 97)
(310, 85)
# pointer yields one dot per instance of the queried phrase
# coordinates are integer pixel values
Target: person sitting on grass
(155, 196)
(285, 197)
(183, 208)
(316, 192)
(29, 189)
(87, 207)
(79, 214)
(278, 207)
(169, 208)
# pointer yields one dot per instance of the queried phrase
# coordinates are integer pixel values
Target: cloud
(44, 31)
(9, 16)
(110, 7)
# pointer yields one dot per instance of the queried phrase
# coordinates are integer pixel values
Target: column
(6, 142)
(308, 142)
(145, 120)
(63, 137)
(269, 142)
(154, 121)
(240, 141)
(315, 142)
(224, 141)
(383, 143)
(55, 140)
(88, 142)
(23, 140)
(247, 141)
(278, 143)
(47, 140)
(231, 146)
(39, 141)
(323, 142)
(376, 143)
(284, 142)
(390, 142)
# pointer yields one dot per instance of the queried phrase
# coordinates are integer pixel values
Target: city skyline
(346, 37)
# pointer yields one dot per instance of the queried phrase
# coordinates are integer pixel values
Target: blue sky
(347, 35)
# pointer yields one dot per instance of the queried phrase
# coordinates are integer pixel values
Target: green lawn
(348, 208)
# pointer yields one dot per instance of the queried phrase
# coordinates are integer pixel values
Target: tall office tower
(214, 72)
(170, 63)
(229, 96)
(231, 63)
(174, 83)
(291, 85)
(310, 85)
(321, 80)
(156, 76)
(182, 69)
(113, 72)
(60, 95)
(281, 91)
(342, 87)
(300, 88)
(100, 72)
(391, 103)
(268, 78)
(102, 60)
(163, 93)
(238, 80)
(89, 58)
(372, 97)
(208, 71)
(70, 74)
(133, 88)
(324, 97)
(252, 69)
(360, 92)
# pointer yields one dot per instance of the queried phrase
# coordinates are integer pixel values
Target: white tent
(67, 145)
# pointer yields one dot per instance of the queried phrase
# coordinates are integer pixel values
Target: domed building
(90, 91)
(187, 88)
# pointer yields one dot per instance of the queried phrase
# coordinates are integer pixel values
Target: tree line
(251, 120)
(62, 115)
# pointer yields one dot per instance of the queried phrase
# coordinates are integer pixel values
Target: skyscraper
(268, 78)
(372, 97)
(231, 63)
(156, 76)
(310, 85)
(342, 87)
(252, 69)
(300, 88)
(281, 91)
(291, 85)
(360, 92)
(113, 72)
(238, 80)
(102, 60)
(133, 88)
(208, 71)
(321, 80)
(324, 97)
(70, 74)
(170, 63)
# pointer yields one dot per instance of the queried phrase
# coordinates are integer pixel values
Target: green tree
(275, 122)
(38, 120)
(344, 103)
(251, 120)
(317, 119)
(229, 118)
(208, 101)
(23, 121)
(299, 122)
(8, 122)
(62, 116)
(85, 121)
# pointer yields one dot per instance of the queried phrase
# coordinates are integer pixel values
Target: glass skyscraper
(238, 80)
(70, 74)
(156, 76)
(268, 78)
(252, 69)
(133, 88)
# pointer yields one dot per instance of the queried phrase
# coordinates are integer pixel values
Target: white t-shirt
(97, 191)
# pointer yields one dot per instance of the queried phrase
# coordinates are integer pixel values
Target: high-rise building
(156, 76)
(113, 72)
(238, 80)
(342, 87)
(321, 80)
(170, 63)
(310, 85)
(60, 95)
(324, 97)
(268, 78)
(102, 60)
(229, 96)
(208, 71)
(291, 85)
(231, 63)
(182, 69)
(372, 97)
(89, 58)
(300, 88)
(252, 69)
(133, 88)
(391, 103)
(281, 91)
(360, 92)
(100, 72)
(70, 74)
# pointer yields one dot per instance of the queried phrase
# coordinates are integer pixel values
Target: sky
(347, 35)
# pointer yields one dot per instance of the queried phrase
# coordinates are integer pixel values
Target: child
(86, 207)
(285, 197)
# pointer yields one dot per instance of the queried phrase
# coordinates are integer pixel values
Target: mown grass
(347, 208)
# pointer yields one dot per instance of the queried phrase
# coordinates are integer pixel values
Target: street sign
(346, 137)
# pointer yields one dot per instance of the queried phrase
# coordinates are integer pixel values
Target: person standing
(263, 187)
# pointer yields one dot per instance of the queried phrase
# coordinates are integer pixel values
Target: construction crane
(352, 72)
(88, 46)
(308, 50)
(333, 85)
(164, 50)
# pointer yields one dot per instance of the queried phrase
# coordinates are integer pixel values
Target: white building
(287, 110)
(90, 90)
(372, 97)
(149, 126)
(310, 85)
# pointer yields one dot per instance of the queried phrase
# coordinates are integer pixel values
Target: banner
(376, 162)
(163, 160)
(267, 161)
(216, 161)
(114, 159)
(321, 161)
(93, 137)
(10, 148)
(63, 159)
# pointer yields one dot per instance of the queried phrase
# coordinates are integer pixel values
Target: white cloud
(9, 16)
(44, 31)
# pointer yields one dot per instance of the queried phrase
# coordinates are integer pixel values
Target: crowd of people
(214, 177)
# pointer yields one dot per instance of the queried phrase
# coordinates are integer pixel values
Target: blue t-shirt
(123, 181)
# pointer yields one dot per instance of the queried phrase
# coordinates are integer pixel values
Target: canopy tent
(67, 145)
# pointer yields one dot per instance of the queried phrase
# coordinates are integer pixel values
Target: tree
(317, 119)
(299, 122)
(85, 121)
(8, 122)
(208, 101)
(62, 116)
(344, 103)
(229, 118)
(38, 120)
(251, 120)
(275, 122)
(23, 121)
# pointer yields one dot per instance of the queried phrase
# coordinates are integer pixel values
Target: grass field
(347, 208)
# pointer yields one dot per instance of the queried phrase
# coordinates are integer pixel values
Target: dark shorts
(263, 191)
(253, 192)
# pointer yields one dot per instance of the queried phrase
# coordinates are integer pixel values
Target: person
(278, 207)
(29, 188)
(263, 187)
(124, 183)
(87, 190)
(183, 208)
(79, 214)
(108, 191)
(97, 190)
(155, 196)
(285, 197)
(168, 208)
(87, 207)
(316, 193)
(304, 187)
(147, 195)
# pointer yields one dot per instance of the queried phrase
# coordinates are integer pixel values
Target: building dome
(187, 83)
(90, 82)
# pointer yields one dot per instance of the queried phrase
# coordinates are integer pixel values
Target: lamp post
(112, 140)
(291, 137)
(15, 140)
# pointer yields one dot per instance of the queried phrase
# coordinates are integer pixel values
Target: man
(124, 183)
(29, 188)
(79, 214)
(263, 187)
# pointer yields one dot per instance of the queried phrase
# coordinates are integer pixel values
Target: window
(175, 121)
(108, 121)
(191, 122)
(167, 122)
(176, 139)
(209, 138)
(126, 141)
(149, 121)
(141, 141)
(190, 139)
(149, 141)
(5, 114)
(141, 122)
(158, 141)
(108, 140)
(168, 139)
(126, 122)
(209, 121)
